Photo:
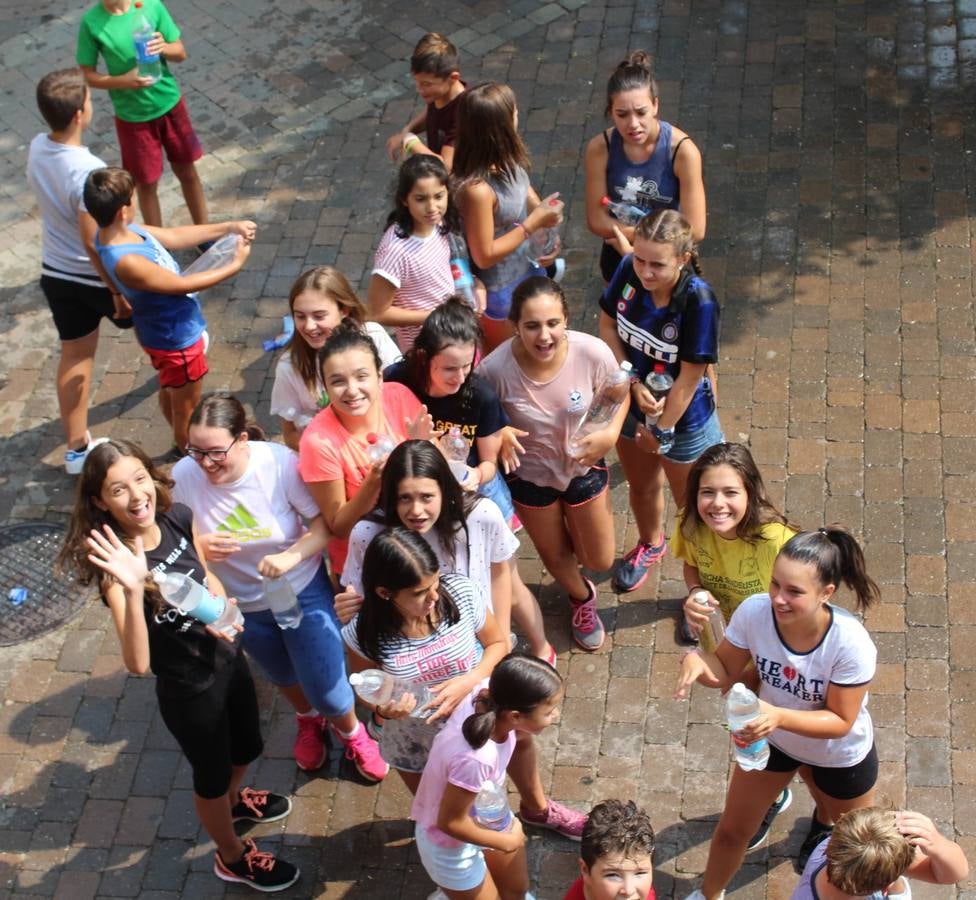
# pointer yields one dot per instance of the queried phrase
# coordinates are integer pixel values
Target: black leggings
(218, 728)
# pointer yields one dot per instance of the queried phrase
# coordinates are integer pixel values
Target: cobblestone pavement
(838, 142)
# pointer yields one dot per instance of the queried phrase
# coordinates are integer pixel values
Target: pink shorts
(179, 367)
(142, 143)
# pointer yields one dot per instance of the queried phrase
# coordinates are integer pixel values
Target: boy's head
(616, 851)
(106, 192)
(434, 66)
(61, 96)
(867, 852)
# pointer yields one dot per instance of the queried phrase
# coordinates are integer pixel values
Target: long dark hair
(223, 410)
(452, 324)
(529, 289)
(759, 510)
(87, 516)
(487, 140)
(421, 459)
(519, 683)
(423, 165)
(396, 559)
(837, 557)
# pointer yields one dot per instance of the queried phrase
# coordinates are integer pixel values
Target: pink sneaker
(364, 753)
(310, 750)
(561, 819)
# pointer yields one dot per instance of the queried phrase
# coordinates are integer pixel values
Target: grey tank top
(510, 207)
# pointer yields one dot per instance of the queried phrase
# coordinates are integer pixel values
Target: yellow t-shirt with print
(731, 570)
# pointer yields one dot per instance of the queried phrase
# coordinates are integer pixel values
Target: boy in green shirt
(149, 116)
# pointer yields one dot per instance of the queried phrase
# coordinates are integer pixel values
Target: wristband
(693, 588)
(689, 651)
(525, 230)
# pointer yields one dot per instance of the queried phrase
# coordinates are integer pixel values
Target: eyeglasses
(217, 456)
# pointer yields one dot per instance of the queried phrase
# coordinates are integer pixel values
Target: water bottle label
(210, 609)
(461, 272)
(143, 56)
(752, 749)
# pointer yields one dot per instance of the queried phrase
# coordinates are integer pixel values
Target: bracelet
(695, 587)
(525, 230)
(689, 651)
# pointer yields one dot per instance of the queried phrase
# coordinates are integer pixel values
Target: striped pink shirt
(419, 269)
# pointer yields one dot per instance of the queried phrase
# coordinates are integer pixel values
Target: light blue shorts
(499, 301)
(455, 868)
(688, 445)
(497, 491)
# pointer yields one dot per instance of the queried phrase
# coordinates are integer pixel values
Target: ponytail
(519, 683)
(631, 74)
(837, 557)
(223, 410)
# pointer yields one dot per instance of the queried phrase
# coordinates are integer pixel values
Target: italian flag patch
(628, 292)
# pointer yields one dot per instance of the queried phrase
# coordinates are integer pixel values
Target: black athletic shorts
(78, 308)
(842, 783)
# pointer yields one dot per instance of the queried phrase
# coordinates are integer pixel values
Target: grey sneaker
(782, 802)
(588, 630)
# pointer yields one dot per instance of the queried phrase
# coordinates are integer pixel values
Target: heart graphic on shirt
(789, 672)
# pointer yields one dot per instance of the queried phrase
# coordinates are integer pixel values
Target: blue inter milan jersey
(686, 330)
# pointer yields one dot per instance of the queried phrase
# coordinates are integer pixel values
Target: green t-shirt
(731, 570)
(111, 36)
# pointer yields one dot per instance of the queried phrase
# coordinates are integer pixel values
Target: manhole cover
(27, 554)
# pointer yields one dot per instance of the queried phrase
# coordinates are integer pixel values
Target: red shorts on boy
(179, 367)
(142, 143)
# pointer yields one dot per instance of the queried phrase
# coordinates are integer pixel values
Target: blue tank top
(648, 185)
(161, 321)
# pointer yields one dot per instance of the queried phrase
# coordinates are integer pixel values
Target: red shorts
(179, 367)
(142, 143)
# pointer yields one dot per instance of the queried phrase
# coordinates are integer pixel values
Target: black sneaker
(784, 799)
(818, 831)
(260, 806)
(259, 870)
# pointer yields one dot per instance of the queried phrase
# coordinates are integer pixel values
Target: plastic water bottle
(741, 707)
(545, 241)
(456, 448)
(380, 447)
(148, 63)
(283, 602)
(714, 630)
(221, 252)
(461, 270)
(659, 383)
(491, 809)
(379, 688)
(603, 407)
(192, 599)
(624, 213)
(300, 420)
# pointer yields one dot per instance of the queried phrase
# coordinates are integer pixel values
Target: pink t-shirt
(420, 270)
(549, 411)
(454, 761)
(328, 452)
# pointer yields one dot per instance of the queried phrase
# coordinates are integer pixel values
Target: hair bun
(639, 59)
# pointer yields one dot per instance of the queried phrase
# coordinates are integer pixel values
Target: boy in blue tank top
(166, 312)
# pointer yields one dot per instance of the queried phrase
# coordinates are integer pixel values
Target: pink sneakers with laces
(588, 630)
(310, 750)
(556, 817)
(364, 753)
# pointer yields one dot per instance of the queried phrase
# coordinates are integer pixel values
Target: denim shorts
(455, 868)
(582, 489)
(688, 445)
(311, 654)
(497, 491)
(500, 300)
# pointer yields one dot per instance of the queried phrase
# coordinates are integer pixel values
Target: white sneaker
(698, 895)
(437, 895)
(559, 267)
(74, 460)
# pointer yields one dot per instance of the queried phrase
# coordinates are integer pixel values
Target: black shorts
(844, 783)
(609, 260)
(78, 308)
(582, 489)
(218, 728)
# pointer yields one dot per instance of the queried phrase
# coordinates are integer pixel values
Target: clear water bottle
(545, 241)
(603, 407)
(380, 446)
(659, 383)
(378, 688)
(300, 420)
(456, 448)
(192, 599)
(461, 270)
(624, 213)
(491, 809)
(712, 633)
(741, 707)
(218, 254)
(283, 602)
(149, 64)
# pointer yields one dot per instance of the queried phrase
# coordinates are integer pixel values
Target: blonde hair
(668, 226)
(867, 852)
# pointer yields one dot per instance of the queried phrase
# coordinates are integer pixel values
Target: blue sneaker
(636, 565)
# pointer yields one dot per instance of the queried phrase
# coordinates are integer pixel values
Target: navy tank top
(648, 185)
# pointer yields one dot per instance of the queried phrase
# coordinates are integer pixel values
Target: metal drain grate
(27, 554)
